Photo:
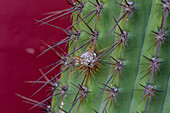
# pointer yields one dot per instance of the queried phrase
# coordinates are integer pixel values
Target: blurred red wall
(18, 34)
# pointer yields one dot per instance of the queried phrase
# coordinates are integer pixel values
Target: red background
(18, 32)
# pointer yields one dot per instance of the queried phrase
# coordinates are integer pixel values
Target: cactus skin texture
(113, 81)
(145, 18)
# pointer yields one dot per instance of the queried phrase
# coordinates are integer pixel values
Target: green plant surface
(136, 28)
(142, 22)
(167, 99)
(98, 77)
(162, 78)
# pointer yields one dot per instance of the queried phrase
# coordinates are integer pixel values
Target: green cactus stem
(118, 59)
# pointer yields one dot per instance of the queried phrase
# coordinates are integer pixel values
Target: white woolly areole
(61, 106)
(114, 91)
(130, 2)
(88, 59)
(115, 88)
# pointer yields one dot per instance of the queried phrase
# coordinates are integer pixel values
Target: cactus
(117, 61)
